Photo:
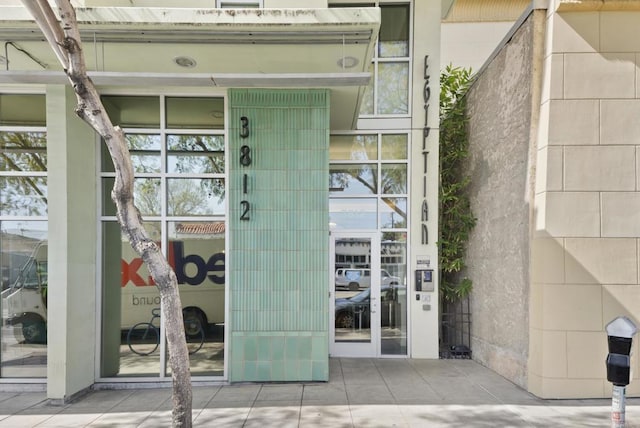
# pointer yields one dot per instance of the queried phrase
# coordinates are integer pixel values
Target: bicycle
(144, 337)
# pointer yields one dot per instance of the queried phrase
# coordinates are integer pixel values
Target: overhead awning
(134, 47)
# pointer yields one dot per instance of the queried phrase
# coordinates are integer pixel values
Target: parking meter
(620, 334)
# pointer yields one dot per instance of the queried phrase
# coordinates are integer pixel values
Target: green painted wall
(278, 261)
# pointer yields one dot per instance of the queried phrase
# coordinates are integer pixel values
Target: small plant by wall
(456, 218)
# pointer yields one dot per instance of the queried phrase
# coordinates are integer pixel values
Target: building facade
(272, 148)
(553, 131)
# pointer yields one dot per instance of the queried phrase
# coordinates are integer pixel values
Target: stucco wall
(500, 112)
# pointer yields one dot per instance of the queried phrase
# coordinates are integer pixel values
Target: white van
(354, 279)
(199, 265)
(26, 299)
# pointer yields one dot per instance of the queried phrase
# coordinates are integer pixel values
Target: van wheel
(34, 331)
(353, 286)
(193, 322)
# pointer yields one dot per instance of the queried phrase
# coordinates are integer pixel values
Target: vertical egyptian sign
(424, 211)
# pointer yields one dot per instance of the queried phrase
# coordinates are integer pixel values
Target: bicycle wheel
(143, 338)
(194, 332)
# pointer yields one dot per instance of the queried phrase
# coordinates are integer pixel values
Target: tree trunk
(64, 38)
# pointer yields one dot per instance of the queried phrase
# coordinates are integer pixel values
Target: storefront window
(130, 299)
(179, 188)
(199, 260)
(23, 236)
(24, 298)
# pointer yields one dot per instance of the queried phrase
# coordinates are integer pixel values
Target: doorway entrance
(355, 294)
(368, 299)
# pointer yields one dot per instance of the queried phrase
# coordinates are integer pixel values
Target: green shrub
(456, 219)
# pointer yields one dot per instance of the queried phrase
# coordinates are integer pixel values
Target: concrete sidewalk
(361, 393)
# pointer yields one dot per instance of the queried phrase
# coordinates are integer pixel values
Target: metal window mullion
(375, 84)
(409, 74)
(195, 131)
(352, 162)
(392, 59)
(379, 182)
(23, 218)
(24, 128)
(195, 175)
(23, 173)
(360, 196)
(39, 150)
(209, 218)
(163, 225)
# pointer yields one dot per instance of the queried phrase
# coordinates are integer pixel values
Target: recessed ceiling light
(348, 62)
(185, 61)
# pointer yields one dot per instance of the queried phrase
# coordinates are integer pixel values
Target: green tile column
(278, 261)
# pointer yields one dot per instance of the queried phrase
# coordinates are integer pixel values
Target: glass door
(355, 294)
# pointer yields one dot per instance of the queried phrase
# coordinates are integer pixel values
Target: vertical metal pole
(617, 407)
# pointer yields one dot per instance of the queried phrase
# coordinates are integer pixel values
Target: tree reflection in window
(196, 154)
(145, 152)
(195, 196)
(393, 88)
(354, 179)
(23, 152)
(369, 176)
(186, 154)
(146, 192)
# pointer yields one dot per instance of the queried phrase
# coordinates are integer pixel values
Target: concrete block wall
(585, 255)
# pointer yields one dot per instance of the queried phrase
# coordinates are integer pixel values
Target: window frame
(401, 120)
(164, 219)
(26, 219)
